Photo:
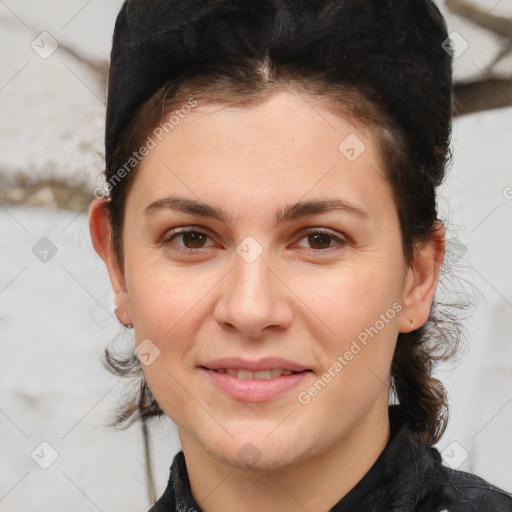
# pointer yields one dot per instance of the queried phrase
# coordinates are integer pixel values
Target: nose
(254, 300)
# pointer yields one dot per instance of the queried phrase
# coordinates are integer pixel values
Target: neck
(315, 484)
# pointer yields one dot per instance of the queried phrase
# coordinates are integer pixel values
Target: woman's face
(292, 261)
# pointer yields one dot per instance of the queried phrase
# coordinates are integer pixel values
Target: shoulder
(479, 493)
(458, 491)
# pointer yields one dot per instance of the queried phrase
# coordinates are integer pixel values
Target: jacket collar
(397, 478)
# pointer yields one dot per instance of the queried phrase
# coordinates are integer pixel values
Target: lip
(254, 390)
(261, 364)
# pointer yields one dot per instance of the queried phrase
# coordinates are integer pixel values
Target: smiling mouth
(243, 374)
(254, 381)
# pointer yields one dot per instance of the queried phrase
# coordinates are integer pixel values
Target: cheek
(167, 309)
(161, 295)
(354, 300)
(362, 309)
(356, 359)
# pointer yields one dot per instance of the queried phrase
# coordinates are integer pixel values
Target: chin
(260, 452)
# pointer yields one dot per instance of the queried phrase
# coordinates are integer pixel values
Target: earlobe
(421, 281)
(101, 237)
(123, 318)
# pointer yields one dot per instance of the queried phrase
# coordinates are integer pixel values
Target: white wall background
(56, 317)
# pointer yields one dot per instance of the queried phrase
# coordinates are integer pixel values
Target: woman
(271, 235)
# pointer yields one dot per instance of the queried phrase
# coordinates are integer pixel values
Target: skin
(297, 300)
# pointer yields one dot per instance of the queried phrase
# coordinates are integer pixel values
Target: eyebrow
(289, 213)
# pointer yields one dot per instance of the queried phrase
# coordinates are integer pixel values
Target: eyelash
(167, 240)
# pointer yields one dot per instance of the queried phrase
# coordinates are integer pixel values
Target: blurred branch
(490, 92)
(498, 24)
(150, 481)
(487, 94)
(99, 67)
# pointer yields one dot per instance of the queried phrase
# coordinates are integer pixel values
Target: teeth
(260, 375)
(265, 374)
(245, 374)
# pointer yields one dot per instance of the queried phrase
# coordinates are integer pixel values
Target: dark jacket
(408, 476)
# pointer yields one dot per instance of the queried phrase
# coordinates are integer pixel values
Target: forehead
(281, 150)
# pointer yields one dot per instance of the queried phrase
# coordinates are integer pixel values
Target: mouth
(243, 374)
(254, 381)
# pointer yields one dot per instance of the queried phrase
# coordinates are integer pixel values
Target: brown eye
(193, 239)
(322, 240)
(319, 241)
(190, 240)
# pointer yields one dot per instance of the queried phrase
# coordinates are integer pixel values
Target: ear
(101, 236)
(421, 281)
